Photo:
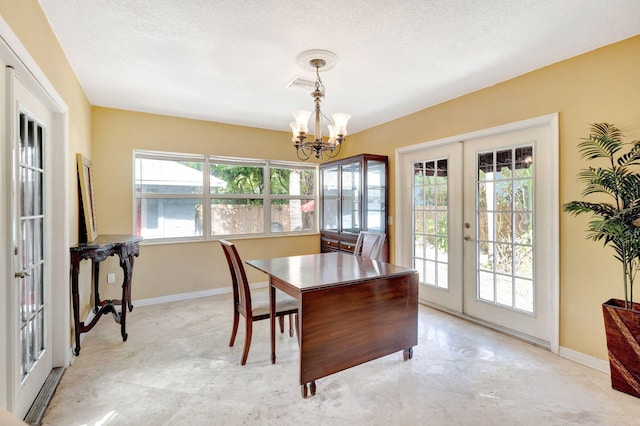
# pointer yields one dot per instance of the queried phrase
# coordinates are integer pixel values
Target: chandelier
(315, 144)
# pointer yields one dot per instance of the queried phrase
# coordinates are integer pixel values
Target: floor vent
(36, 412)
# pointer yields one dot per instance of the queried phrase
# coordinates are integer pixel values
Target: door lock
(21, 274)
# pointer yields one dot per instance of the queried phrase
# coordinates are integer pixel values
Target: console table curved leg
(126, 263)
(127, 267)
(75, 270)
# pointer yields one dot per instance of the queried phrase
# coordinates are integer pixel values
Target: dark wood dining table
(351, 310)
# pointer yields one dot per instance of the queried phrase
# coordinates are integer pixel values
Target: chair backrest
(239, 282)
(369, 244)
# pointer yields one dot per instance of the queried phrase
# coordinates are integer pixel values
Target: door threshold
(39, 406)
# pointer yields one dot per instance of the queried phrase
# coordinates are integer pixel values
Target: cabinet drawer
(347, 246)
(330, 244)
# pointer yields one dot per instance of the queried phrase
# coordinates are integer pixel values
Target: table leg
(75, 270)
(308, 388)
(407, 354)
(126, 262)
(96, 286)
(130, 304)
(272, 308)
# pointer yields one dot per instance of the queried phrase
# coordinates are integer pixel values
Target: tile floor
(177, 369)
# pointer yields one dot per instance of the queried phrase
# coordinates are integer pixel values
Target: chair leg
(247, 341)
(290, 325)
(234, 330)
(281, 321)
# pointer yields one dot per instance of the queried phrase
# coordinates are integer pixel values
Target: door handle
(21, 274)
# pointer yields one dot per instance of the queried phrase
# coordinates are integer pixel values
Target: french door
(31, 289)
(478, 229)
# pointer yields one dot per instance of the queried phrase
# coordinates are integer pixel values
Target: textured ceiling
(230, 60)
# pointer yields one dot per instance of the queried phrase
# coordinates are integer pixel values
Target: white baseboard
(180, 296)
(584, 359)
(190, 295)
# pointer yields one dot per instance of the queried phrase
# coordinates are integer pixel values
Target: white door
(506, 214)
(30, 294)
(478, 230)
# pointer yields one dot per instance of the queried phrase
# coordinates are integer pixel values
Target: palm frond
(632, 157)
(580, 207)
(603, 142)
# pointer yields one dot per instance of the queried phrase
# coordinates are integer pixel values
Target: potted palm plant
(615, 221)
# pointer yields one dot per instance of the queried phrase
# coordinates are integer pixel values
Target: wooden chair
(369, 244)
(253, 307)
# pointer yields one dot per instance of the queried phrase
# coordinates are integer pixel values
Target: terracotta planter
(623, 332)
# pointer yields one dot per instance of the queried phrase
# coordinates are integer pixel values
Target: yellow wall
(176, 268)
(32, 28)
(602, 85)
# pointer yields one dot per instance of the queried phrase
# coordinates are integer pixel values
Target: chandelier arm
(306, 153)
(333, 152)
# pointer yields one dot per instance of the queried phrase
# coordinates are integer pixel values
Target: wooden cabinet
(353, 198)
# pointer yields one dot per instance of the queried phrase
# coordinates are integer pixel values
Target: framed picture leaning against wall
(86, 198)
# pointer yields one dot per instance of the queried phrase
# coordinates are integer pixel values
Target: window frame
(207, 196)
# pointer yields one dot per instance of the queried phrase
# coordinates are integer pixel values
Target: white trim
(550, 120)
(191, 295)
(510, 127)
(584, 359)
(5, 250)
(178, 297)
(61, 257)
(554, 231)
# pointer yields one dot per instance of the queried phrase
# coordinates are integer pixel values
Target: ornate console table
(126, 247)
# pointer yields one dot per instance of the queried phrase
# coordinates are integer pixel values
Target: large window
(176, 199)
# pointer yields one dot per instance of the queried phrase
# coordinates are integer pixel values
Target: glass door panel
(31, 249)
(430, 222)
(330, 204)
(376, 196)
(350, 176)
(505, 228)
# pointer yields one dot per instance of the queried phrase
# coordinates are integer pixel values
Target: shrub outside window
(175, 199)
